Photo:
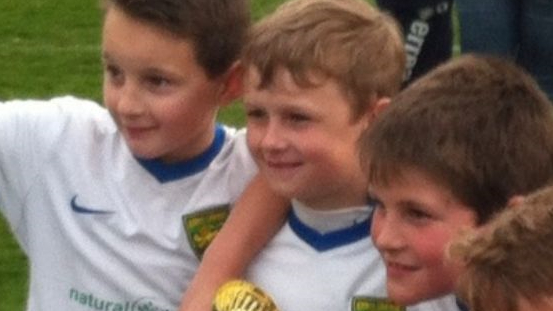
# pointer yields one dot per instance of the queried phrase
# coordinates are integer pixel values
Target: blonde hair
(347, 40)
(510, 258)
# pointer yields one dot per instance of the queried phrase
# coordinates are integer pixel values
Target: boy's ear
(378, 107)
(232, 84)
(381, 104)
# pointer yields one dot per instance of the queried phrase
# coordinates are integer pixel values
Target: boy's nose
(273, 138)
(385, 234)
(129, 103)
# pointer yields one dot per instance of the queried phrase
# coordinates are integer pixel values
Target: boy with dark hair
(114, 207)
(449, 153)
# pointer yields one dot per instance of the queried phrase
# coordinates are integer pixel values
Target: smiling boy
(114, 204)
(317, 74)
(152, 84)
(448, 154)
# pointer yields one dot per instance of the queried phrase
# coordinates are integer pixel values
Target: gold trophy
(239, 295)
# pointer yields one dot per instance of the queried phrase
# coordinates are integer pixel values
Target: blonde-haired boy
(317, 72)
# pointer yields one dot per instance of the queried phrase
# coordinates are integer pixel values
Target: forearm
(254, 220)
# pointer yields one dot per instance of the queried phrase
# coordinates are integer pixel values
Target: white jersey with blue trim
(303, 269)
(102, 229)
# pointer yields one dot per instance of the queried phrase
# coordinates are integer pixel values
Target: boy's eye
(157, 81)
(417, 215)
(298, 117)
(113, 72)
(254, 113)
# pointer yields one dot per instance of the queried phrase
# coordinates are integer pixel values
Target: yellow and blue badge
(363, 303)
(203, 226)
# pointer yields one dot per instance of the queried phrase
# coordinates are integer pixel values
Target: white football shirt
(102, 229)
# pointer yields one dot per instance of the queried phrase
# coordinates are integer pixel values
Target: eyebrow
(410, 204)
(107, 57)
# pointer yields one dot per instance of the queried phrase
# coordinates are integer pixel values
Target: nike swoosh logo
(84, 210)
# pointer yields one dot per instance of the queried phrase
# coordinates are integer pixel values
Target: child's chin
(403, 296)
(403, 300)
(145, 154)
(413, 297)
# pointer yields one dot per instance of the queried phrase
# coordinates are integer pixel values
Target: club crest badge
(363, 303)
(201, 227)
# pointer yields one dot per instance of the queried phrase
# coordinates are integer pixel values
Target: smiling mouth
(281, 170)
(136, 132)
(394, 269)
(282, 165)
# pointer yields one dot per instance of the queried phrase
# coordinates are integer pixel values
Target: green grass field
(50, 48)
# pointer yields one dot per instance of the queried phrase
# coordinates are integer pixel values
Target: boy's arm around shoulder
(254, 220)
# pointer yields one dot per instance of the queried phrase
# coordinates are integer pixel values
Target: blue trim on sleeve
(330, 240)
(164, 172)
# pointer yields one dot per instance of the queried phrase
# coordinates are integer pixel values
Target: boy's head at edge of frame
(507, 263)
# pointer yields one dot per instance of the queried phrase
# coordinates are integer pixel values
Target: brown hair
(349, 41)
(510, 258)
(479, 126)
(217, 28)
